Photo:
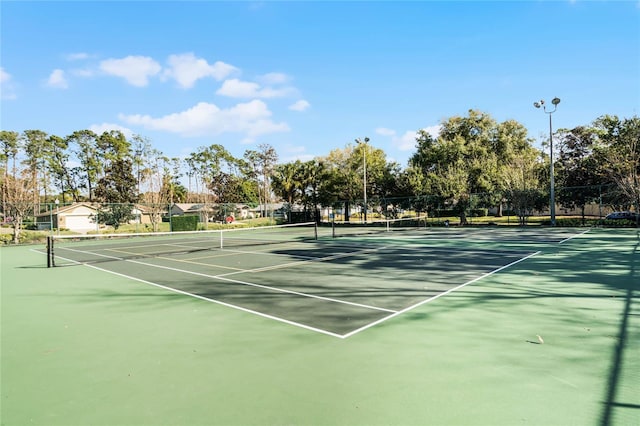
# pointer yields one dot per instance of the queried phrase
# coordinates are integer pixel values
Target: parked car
(622, 215)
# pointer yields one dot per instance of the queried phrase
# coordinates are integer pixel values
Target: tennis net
(341, 229)
(73, 249)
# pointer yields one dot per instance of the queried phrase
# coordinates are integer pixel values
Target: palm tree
(287, 182)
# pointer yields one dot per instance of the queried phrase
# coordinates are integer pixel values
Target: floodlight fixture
(552, 197)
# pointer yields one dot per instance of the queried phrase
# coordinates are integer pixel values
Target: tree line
(474, 161)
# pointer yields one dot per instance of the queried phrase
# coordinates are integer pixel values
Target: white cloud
(273, 78)
(57, 79)
(434, 131)
(251, 119)
(82, 72)
(77, 56)
(385, 132)
(235, 88)
(238, 89)
(186, 69)
(99, 129)
(294, 149)
(135, 69)
(4, 76)
(291, 153)
(407, 141)
(301, 105)
(6, 85)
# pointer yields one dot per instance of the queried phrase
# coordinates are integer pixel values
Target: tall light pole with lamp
(364, 166)
(552, 201)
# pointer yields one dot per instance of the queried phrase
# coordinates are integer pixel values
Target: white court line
(157, 256)
(316, 259)
(344, 336)
(435, 297)
(574, 236)
(193, 262)
(114, 246)
(228, 305)
(220, 277)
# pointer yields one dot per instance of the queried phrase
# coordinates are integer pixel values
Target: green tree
(171, 181)
(619, 152)
(84, 144)
(522, 185)
(343, 178)
(113, 146)
(57, 163)
(381, 175)
(154, 184)
(287, 183)
(512, 144)
(145, 159)
(468, 159)
(36, 148)
(578, 173)
(314, 179)
(209, 163)
(19, 188)
(9, 145)
(344, 172)
(261, 166)
(117, 191)
(460, 161)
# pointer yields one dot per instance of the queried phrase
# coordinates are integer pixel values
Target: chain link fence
(575, 206)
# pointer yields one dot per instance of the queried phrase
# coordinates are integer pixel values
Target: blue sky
(309, 77)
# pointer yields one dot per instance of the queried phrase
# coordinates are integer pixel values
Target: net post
(221, 240)
(333, 229)
(51, 260)
(49, 251)
(315, 230)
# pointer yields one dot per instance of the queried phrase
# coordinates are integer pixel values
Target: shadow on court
(334, 289)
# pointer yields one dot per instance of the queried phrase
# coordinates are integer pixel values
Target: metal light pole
(364, 166)
(552, 201)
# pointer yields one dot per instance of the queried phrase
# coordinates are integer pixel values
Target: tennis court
(332, 326)
(331, 285)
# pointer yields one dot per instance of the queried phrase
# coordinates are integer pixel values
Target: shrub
(444, 213)
(184, 223)
(619, 223)
(481, 212)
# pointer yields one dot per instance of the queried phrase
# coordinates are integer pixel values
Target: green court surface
(485, 326)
